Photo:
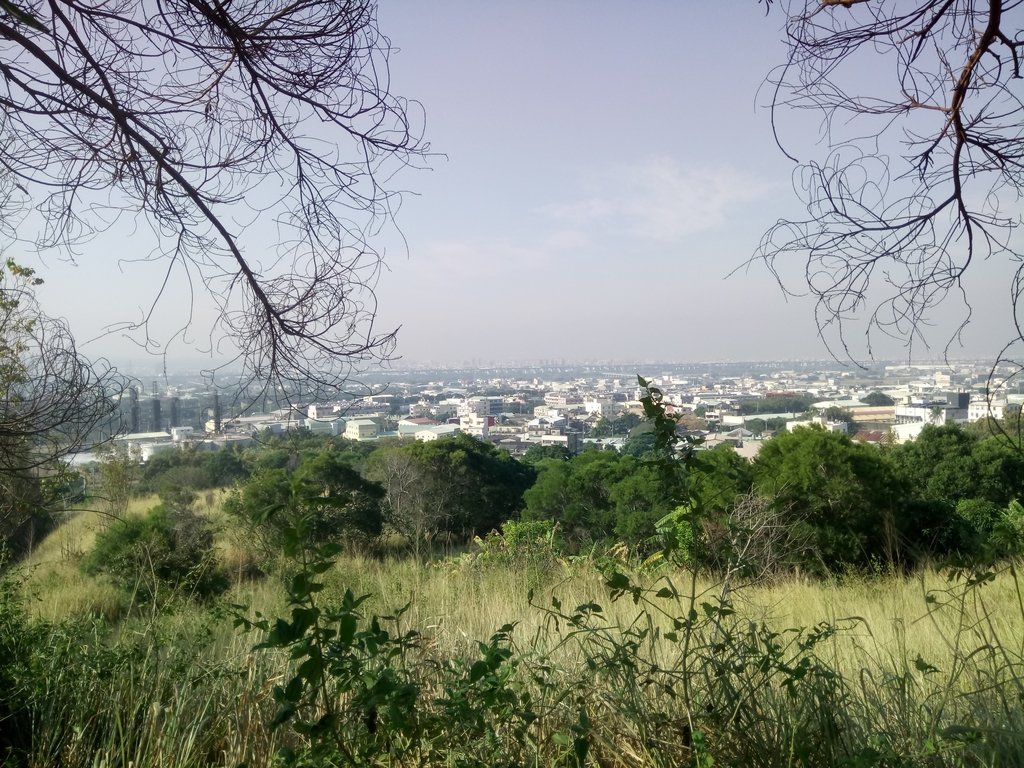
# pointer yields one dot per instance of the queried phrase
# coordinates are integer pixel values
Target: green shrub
(158, 554)
(534, 542)
(16, 644)
(1008, 531)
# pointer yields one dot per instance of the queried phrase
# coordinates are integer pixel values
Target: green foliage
(356, 695)
(17, 641)
(600, 495)
(617, 427)
(449, 489)
(197, 470)
(720, 478)
(977, 519)
(535, 454)
(324, 495)
(158, 555)
(640, 443)
(965, 484)
(939, 463)
(845, 495)
(837, 413)
(757, 426)
(1008, 531)
(877, 399)
(532, 543)
(778, 404)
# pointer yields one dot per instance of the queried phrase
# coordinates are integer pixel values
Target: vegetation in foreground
(514, 654)
(119, 647)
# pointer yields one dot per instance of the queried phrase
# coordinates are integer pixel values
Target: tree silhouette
(52, 400)
(919, 175)
(196, 119)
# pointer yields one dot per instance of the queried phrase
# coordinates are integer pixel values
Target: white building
(146, 443)
(325, 426)
(409, 427)
(821, 421)
(361, 429)
(148, 450)
(435, 433)
(933, 410)
(601, 406)
(318, 411)
(476, 425)
(481, 405)
(984, 407)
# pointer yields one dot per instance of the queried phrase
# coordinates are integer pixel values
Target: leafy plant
(157, 555)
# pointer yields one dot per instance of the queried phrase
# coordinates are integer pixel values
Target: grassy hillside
(532, 660)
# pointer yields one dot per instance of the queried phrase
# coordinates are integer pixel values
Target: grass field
(515, 663)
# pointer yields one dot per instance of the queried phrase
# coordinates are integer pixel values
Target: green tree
(838, 413)
(602, 495)
(1000, 468)
(577, 494)
(756, 426)
(324, 496)
(617, 427)
(158, 555)
(845, 494)
(720, 478)
(640, 443)
(877, 399)
(778, 404)
(940, 464)
(450, 488)
(535, 454)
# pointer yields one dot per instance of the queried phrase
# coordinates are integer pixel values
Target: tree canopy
(844, 492)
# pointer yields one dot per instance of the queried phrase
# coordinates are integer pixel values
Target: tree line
(811, 500)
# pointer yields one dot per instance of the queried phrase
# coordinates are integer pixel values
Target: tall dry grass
(887, 670)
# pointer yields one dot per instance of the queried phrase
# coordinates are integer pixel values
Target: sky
(600, 173)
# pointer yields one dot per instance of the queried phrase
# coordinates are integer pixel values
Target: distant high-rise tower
(175, 412)
(155, 410)
(133, 396)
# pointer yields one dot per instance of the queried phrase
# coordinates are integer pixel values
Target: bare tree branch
(889, 238)
(200, 117)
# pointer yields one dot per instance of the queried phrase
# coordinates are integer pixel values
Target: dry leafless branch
(199, 118)
(920, 167)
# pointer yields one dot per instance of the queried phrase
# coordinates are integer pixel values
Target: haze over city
(598, 178)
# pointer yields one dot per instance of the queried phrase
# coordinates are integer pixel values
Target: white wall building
(601, 406)
(325, 426)
(361, 429)
(320, 411)
(983, 407)
(436, 433)
(954, 408)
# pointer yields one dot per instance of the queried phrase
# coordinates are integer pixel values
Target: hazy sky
(601, 169)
